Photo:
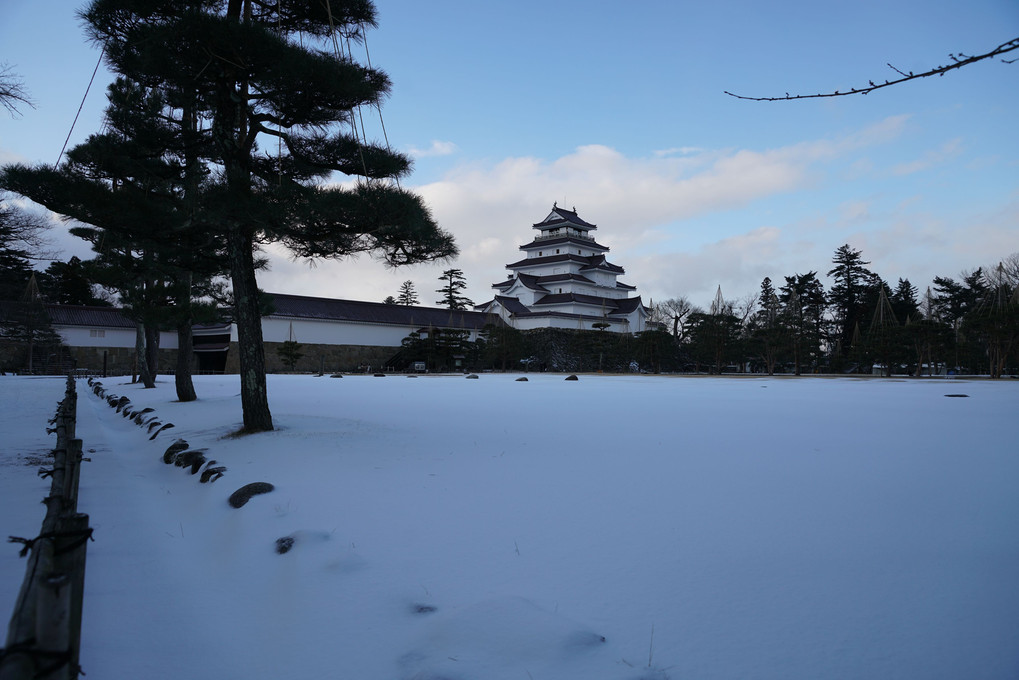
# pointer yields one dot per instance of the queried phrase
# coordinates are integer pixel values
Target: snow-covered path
(451, 528)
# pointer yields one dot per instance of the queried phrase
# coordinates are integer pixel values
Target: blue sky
(619, 111)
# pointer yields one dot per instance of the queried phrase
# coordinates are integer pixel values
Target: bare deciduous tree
(958, 61)
(678, 309)
(12, 91)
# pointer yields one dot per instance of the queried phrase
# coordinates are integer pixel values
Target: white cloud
(948, 151)
(647, 209)
(677, 151)
(437, 148)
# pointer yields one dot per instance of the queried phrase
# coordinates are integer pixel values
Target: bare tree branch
(12, 92)
(958, 61)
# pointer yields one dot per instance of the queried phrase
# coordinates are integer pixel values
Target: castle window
(96, 334)
(556, 251)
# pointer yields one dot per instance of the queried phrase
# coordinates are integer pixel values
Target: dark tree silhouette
(280, 97)
(12, 91)
(454, 284)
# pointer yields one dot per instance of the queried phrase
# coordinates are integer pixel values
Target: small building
(566, 281)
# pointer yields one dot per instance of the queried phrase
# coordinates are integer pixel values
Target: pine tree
(19, 236)
(767, 330)
(261, 70)
(407, 295)
(290, 353)
(803, 305)
(454, 283)
(904, 302)
(27, 323)
(847, 296)
(134, 187)
(69, 283)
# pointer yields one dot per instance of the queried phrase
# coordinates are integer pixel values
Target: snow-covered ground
(617, 527)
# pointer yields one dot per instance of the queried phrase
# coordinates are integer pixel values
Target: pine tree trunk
(140, 360)
(247, 316)
(152, 352)
(182, 375)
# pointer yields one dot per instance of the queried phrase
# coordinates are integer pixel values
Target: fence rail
(44, 634)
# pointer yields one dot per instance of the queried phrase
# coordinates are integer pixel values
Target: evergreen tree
(803, 306)
(135, 187)
(407, 295)
(929, 337)
(954, 302)
(848, 295)
(452, 297)
(884, 341)
(27, 323)
(20, 234)
(714, 337)
(290, 353)
(69, 283)
(767, 333)
(261, 70)
(503, 345)
(904, 302)
(390, 300)
(994, 323)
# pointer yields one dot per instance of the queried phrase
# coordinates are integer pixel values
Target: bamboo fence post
(70, 554)
(52, 617)
(44, 633)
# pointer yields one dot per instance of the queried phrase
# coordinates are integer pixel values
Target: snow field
(456, 529)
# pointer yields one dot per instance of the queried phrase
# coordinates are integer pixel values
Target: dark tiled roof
(627, 305)
(211, 346)
(609, 304)
(94, 317)
(299, 306)
(548, 259)
(512, 305)
(555, 278)
(532, 282)
(210, 328)
(569, 315)
(599, 262)
(545, 243)
(625, 286)
(564, 217)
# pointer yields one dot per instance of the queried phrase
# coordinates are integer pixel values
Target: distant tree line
(860, 324)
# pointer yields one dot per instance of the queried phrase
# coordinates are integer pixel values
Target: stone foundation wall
(325, 358)
(119, 360)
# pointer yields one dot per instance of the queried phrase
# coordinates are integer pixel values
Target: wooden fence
(44, 635)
